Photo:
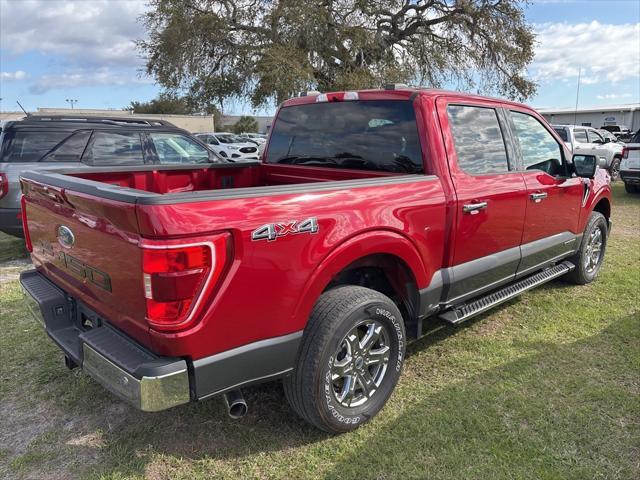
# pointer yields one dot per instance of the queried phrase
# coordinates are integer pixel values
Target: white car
(230, 146)
(257, 138)
(630, 166)
(588, 141)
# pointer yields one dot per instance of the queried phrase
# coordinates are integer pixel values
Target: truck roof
(390, 92)
(88, 121)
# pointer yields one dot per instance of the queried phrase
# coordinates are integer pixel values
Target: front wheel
(350, 359)
(588, 259)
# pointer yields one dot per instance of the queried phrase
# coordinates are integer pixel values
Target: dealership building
(627, 115)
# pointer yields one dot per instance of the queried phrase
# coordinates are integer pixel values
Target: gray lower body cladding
(457, 284)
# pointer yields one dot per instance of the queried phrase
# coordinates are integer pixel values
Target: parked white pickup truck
(630, 166)
(588, 141)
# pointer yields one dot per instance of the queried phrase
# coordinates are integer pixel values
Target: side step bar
(463, 312)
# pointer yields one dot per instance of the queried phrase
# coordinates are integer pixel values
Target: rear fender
(362, 245)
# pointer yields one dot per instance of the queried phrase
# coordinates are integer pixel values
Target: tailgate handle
(55, 194)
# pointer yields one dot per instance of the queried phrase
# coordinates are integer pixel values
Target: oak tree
(269, 50)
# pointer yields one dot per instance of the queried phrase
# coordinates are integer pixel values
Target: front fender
(599, 190)
(359, 246)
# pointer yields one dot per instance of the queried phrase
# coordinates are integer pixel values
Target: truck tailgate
(89, 247)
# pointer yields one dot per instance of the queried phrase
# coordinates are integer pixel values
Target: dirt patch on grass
(10, 270)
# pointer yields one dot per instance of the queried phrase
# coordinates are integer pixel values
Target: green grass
(545, 387)
(11, 248)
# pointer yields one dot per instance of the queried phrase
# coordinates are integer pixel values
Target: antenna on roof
(575, 112)
(22, 108)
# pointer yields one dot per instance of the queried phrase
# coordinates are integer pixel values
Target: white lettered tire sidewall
(344, 418)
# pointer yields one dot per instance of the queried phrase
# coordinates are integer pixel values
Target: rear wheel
(614, 168)
(349, 361)
(589, 257)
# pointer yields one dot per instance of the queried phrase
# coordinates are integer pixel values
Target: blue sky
(53, 50)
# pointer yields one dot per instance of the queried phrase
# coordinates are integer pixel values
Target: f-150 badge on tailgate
(272, 231)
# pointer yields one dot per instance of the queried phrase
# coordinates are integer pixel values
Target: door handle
(538, 197)
(474, 208)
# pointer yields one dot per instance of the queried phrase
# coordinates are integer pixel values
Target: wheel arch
(603, 206)
(363, 258)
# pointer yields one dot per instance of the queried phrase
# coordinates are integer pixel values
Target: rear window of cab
(379, 135)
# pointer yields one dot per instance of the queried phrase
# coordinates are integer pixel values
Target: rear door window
(29, 146)
(580, 134)
(115, 148)
(173, 148)
(478, 139)
(376, 135)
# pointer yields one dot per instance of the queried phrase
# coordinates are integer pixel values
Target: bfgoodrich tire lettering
(353, 332)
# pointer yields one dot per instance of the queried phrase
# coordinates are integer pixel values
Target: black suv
(51, 142)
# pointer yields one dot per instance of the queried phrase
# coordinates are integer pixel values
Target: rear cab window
(379, 135)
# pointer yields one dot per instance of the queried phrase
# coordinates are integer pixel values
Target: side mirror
(585, 165)
(598, 141)
(607, 140)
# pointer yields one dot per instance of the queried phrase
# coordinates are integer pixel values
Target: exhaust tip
(238, 410)
(236, 404)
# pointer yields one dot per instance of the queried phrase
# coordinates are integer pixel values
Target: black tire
(311, 390)
(614, 169)
(585, 271)
(629, 188)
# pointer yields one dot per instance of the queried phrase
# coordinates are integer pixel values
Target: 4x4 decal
(272, 231)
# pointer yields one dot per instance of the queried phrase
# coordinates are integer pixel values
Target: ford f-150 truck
(370, 213)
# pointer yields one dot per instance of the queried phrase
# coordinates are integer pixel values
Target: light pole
(71, 101)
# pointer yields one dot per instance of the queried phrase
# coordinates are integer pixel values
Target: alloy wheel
(594, 250)
(360, 363)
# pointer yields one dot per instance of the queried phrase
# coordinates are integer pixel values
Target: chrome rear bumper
(125, 368)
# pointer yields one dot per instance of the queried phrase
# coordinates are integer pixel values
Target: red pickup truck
(369, 212)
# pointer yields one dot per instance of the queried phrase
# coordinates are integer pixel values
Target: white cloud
(99, 32)
(82, 78)
(613, 96)
(17, 75)
(603, 52)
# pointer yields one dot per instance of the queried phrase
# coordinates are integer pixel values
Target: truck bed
(146, 184)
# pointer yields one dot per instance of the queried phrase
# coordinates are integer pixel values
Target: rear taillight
(177, 278)
(4, 184)
(25, 228)
(625, 152)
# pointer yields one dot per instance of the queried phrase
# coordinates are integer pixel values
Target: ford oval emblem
(65, 236)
